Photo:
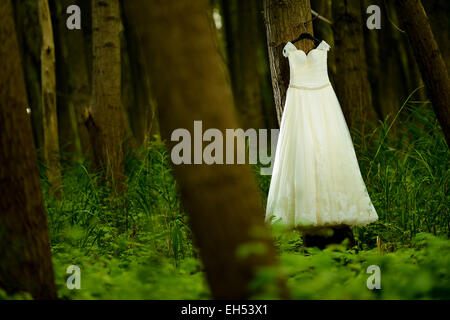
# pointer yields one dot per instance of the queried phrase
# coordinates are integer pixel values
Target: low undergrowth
(140, 246)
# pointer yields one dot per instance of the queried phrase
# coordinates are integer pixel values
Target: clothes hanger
(306, 35)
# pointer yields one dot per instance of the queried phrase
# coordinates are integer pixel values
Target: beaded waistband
(309, 88)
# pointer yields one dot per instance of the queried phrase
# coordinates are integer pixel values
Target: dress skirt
(316, 180)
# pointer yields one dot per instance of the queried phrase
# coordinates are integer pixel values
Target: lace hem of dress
(344, 212)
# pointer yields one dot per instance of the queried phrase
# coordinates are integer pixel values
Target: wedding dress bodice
(307, 70)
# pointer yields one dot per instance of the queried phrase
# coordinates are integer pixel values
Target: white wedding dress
(316, 180)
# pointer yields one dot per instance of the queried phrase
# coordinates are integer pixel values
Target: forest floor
(140, 246)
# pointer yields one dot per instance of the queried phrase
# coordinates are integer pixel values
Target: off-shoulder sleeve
(324, 46)
(288, 48)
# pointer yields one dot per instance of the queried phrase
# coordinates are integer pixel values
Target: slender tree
(389, 75)
(73, 83)
(351, 80)
(49, 114)
(244, 36)
(136, 94)
(25, 258)
(438, 12)
(408, 78)
(189, 84)
(324, 30)
(372, 47)
(107, 124)
(29, 33)
(427, 54)
(392, 71)
(283, 21)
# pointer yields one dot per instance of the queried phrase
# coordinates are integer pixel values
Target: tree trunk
(427, 54)
(136, 93)
(107, 124)
(390, 72)
(438, 11)
(26, 264)
(391, 76)
(372, 47)
(244, 38)
(49, 115)
(30, 37)
(352, 83)
(284, 23)
(324, 30)
(73, 83)
(222, 200)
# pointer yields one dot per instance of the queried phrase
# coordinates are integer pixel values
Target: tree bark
(49, 114)
(372, 47)
(283, 21)
(107, 124)
(243, 39)
(427, 54)
(392, 76)
(73, 83)
(136, 94)
(390, 71)
(29, 34)
(438, 11)
(222, 201)
(323, 30)
(351, 80)
(26, 264)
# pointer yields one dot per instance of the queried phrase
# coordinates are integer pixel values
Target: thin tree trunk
(372, 47)
(29, 34)
(438, 11)
(25, 258)
(427, 54)
(352, 82)
(324, 30)
(283, 21)
(387, 63)
(222, 200)
(73, 83)
(107, 124)
(136, 86)
(243, 39)
(49, 114)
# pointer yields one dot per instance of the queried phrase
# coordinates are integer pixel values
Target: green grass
(140, 246)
